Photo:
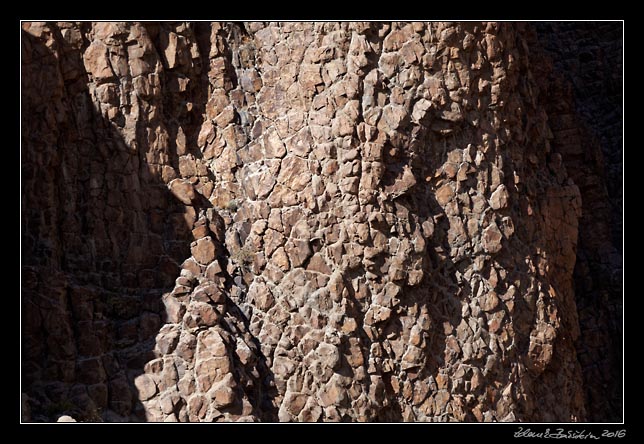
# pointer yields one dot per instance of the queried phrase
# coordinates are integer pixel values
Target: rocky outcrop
(585, 112)
(298, 222)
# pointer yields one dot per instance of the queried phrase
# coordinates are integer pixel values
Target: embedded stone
(499, 198)
(204, 250)
(145, 386)
(183, 190)
(491, 239)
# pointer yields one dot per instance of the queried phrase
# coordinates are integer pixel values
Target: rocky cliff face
(585, 112)
(311, 222)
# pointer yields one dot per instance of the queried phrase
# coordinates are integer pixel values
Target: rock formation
(319, 222)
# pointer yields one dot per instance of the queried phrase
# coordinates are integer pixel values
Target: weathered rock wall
(102, 235)
(585, 111)
(296, 222)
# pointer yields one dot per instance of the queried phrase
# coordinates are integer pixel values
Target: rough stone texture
(586, 119)
(306, 222)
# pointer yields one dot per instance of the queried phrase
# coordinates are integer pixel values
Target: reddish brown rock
(204, 250)
(499, 198)
(491, 239)
(146, 387)
(97, 62)
(183, 190)
(444, 194)
(368, 216)
(294, 173)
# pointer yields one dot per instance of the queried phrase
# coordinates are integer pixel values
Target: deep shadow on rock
(103, 237)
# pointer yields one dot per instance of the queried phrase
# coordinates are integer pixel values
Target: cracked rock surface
(310, 222)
